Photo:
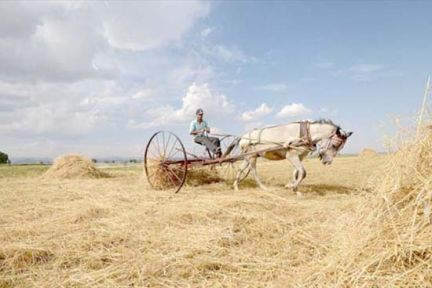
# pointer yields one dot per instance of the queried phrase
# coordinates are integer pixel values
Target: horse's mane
(326, 121)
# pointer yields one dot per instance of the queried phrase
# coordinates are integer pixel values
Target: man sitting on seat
(200, 130)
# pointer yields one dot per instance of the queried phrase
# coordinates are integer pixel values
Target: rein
(335, 140)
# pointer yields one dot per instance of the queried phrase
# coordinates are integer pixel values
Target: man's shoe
(219, 154)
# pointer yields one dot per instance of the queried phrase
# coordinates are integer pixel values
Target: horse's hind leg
(255, 175)
(245, 165)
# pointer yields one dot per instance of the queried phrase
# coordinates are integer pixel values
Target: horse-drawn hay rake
(166, 160)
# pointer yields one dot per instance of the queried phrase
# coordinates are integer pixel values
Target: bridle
(335, 140)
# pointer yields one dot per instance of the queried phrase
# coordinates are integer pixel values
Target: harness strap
(305, 136)
(305, 132)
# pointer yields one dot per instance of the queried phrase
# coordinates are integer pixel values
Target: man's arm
(193, 131)
(207, 128)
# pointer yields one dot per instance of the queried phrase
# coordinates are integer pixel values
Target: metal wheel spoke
(163, 141)
(172, 148)
(154, 156)
(158, 146)
(167, 143)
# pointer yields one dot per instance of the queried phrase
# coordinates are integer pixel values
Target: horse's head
(332, 145)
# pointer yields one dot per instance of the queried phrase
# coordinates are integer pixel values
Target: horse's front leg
(299, 173)
(295, 176)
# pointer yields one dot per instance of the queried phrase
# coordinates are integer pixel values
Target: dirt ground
(117, 232)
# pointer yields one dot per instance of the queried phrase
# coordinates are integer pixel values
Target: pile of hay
(367, 152)
(203, 176)
(74, 166)
(169, 177)
(389, 242)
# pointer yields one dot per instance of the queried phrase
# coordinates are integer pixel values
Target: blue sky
(98, 78)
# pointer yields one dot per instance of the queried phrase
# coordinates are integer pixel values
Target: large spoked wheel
(228, 170)
(165, 162)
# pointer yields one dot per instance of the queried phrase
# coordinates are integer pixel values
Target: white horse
(296, 140)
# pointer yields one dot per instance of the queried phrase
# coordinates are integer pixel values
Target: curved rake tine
(173, 172)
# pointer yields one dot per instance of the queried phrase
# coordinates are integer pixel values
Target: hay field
(117, 232)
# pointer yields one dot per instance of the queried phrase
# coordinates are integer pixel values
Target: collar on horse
(305, 132)
(305, 135)
(304, 139)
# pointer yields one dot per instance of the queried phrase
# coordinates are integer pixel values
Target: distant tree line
(4, 158)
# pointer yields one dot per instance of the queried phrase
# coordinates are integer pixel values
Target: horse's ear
(348, 134)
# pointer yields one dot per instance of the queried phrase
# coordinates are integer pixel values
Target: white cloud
(143, 25)
(200, 96)
(275, 87)
(259, 112)
(54, 120)
(58, 110)
(293, 110)
(71, 41)
(55, 42)
(66, 72)
(365, 68)
(197, 96)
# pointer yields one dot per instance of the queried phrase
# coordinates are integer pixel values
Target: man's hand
(202, 131)
(196, 132)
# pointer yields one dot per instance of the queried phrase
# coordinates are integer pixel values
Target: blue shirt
(195, 126)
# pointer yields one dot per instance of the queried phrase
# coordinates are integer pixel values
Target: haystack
(389, 243)
(367, 153)
(74, 166)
